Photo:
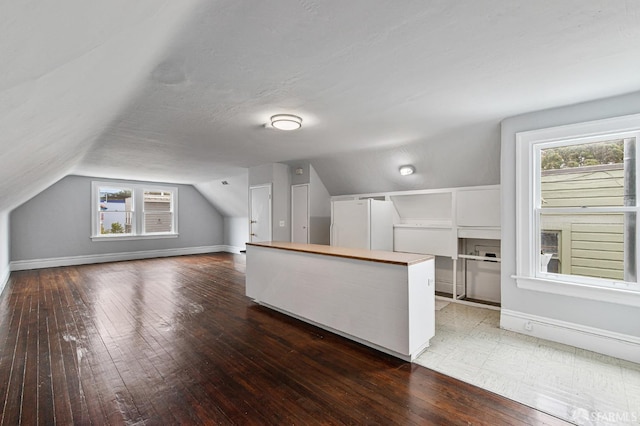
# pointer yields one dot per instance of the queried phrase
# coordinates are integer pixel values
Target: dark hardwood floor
(176, 341)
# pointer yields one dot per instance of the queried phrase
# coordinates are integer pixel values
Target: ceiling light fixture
(286, 122)
(407, 170)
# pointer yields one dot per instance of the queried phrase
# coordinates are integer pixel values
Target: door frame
(308, 208)
(270, 186)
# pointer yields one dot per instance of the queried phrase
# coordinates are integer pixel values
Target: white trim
(412, 192)
(4, 278)
(20, 265)
(117, 237)
(626, 123)
(606, 342)
(573, 289)
(137, 210)
(528, 274)
(233, 249)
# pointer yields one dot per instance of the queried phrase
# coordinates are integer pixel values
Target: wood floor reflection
(175, 341)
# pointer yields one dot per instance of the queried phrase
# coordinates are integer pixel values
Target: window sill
(100, 238)
(600, 294)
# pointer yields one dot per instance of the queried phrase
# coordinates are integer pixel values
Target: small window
(132, 211)
(550, 245)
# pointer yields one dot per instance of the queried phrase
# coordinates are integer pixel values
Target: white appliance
(365, 224)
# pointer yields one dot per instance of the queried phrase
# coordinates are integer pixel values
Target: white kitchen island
(382, 299)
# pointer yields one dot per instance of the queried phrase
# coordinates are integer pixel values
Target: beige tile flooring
(580, 386)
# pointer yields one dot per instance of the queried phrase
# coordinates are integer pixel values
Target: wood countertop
(395, 258)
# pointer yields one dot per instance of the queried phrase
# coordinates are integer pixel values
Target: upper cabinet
(429, 209)
(478, 207)
(432, 221)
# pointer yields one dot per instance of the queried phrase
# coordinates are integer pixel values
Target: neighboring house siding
(583, 187)
(590, 245)
(157, 216)
(597, 250)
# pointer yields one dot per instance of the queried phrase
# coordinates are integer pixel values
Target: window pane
(550, 246)
(115, 222)
(115, 210)
(158, 211)
(598, 245)
(588, 175)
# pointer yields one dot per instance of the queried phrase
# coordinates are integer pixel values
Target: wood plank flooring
(176, 341)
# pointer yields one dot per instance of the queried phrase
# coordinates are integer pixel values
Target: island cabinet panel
(386, 305)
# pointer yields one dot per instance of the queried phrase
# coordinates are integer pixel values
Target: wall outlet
(528, 326)
(282, 224)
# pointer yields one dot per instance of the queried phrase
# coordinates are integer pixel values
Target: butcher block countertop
(391, 257)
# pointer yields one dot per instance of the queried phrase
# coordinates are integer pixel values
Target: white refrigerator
(365, 224)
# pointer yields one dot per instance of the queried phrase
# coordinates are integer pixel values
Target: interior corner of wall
(5, 272)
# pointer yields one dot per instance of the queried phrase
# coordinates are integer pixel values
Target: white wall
(278, 176)
(462, 157)
(230, 199)
(236, 232)
(319, 211)
(582, 312)
(281, 203)
(4, 249)
(57, 223)
(304, 177)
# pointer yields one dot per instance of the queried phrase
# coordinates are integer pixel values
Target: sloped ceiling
(180, 91)
(67, 69)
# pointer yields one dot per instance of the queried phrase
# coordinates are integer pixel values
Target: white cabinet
(424, 240)
(478, 207)
(425, 223)
(448, 223)
(383, 300)
(365, 224)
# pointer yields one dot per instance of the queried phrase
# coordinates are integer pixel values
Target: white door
(300, 213)
(260, 213)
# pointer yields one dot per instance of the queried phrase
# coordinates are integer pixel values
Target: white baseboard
(606, 342)
(233, 249)
(20, 265)
(4, 277)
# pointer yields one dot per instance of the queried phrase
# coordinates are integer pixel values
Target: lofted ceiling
(180, 91)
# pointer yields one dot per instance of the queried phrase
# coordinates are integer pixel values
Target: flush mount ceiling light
(407, 170)
(286, 122)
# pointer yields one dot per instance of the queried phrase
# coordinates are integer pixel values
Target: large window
(577, 209)
(132, 211)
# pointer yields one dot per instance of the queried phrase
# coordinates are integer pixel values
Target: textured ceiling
(180, 91)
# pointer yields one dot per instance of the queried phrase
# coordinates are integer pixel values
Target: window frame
(137, 210)
(528, 274)
(173, 191)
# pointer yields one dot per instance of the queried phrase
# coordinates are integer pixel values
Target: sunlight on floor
(574, 384)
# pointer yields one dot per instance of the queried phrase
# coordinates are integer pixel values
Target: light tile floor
(576, 385)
